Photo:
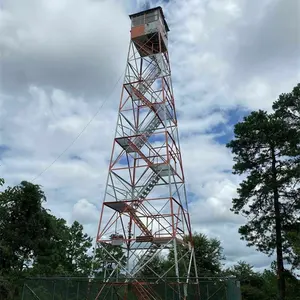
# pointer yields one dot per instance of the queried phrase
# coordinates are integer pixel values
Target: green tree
(52, 257)
(157, 265)
(208, 254)
(78, 260)
(65, 250)
(241, 270)
(287, 107)
(269, 286)
(251, 282)
(22, 227)
(104, 260)
(293, 235)
(265, 150)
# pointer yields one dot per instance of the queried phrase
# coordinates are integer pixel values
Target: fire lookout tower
(145, 212)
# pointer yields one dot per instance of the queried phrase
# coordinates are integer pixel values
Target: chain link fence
(91, 289)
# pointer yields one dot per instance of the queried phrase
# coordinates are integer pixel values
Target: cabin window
(151, 17)
(137, 21)
(145, 18)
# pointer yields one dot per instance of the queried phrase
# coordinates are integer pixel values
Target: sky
(60, 78)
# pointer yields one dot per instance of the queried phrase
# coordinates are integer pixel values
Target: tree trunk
(280, 267)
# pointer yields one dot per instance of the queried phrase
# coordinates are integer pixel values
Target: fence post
(53, 291)
(207, 291)
(166, 292)
(77, 293)
(23, 291)
(67, 289)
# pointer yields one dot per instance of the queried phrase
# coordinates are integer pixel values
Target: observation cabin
(149, 31)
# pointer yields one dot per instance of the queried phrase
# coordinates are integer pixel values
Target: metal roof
(149, 10)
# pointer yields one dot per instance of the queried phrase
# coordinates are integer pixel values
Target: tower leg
(196, 274)
(177, 269)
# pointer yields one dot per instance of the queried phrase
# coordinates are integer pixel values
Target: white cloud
(213, 207)
(61, 59)
(79, 47)
(220, 47)
(85, 212)
(193, 124)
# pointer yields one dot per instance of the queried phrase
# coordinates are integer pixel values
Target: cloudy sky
(61, 73)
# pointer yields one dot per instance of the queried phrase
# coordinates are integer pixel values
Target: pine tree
(265, 150)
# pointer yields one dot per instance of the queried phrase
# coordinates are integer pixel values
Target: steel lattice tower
(145, 208)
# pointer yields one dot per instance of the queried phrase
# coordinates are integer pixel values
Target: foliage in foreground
(36, 243)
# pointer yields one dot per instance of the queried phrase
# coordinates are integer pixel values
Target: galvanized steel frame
(146, 160)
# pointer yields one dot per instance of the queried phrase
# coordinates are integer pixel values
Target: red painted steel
(145, 210)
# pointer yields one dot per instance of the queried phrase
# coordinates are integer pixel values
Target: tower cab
(149, 31)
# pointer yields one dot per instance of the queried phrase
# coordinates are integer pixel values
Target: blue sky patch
(3, 150)
(75, 157)
(225, 132)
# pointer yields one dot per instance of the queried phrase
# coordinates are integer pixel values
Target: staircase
(136, 143)
(151, 75)
(145, 292)
(138, 93)
(140, 140)
(146, 189)
(145, 258)
(142, 194)
(131, 210)
(142, 293)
